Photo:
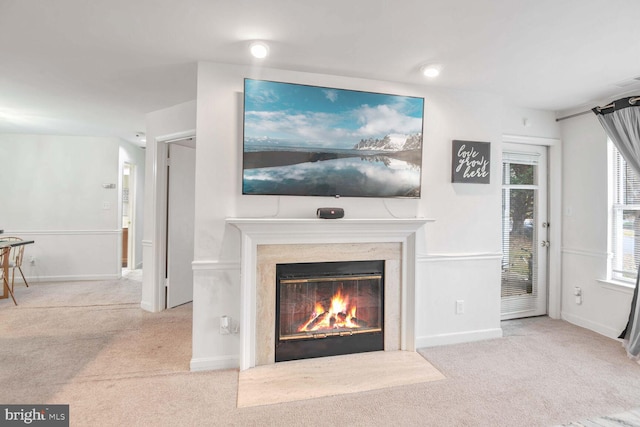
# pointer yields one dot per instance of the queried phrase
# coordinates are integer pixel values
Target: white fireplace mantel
(275, 231)
(297, 230)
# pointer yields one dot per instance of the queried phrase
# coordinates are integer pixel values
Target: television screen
(302, 140)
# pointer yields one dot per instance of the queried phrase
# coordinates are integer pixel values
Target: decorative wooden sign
(471, 162)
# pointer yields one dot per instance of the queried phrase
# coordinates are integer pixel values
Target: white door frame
(156, 270)
(534, 303)
(131, 250)
(131, 259)
(554, 172)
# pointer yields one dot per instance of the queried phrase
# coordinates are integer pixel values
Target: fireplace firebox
(328, 309)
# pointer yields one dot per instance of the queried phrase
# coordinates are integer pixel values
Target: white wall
(52, 191)
(605, 306)
(459, 255)
(528, 122)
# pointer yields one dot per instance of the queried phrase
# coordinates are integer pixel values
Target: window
(625, 219)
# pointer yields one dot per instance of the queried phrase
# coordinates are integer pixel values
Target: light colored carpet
(79, 294)
(332, 376)
(116, 365)
(624, 419)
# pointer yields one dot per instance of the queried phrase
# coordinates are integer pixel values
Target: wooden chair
(4, 252)
(15, 260)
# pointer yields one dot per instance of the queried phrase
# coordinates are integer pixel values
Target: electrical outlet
(577, 292)
(459, 306)
(225, 325)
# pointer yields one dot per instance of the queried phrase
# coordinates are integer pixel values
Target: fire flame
(339, 315)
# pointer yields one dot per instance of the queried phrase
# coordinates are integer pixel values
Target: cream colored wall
(52, 191)
(605, 306)
(458, 257)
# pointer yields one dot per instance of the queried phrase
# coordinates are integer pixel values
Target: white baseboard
(605, 330)
(215, 363)
(458, 337)
(147, 306)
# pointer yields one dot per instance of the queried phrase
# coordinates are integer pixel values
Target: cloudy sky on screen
(324, 117)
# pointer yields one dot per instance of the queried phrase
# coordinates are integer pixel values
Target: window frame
(615, 232)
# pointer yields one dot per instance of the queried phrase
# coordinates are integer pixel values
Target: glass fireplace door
(318, 306)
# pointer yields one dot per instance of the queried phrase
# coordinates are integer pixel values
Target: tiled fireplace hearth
(268, 242)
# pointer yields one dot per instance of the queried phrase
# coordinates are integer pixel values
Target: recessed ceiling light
(259, 50)
(431, 71)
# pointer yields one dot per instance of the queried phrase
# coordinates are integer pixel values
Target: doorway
(524, 279)
(128, 216)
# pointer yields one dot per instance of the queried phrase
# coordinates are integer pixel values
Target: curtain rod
(573, 115)
(632, 101)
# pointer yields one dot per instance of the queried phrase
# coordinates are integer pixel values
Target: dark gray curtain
(621, 122)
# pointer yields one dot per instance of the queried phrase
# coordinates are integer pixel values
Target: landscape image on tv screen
(302, 140)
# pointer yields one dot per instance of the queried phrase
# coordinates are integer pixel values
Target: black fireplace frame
(322, 345)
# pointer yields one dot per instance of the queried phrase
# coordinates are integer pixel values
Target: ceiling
(83, 67)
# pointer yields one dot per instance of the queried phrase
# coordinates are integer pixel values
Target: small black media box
(330, 213)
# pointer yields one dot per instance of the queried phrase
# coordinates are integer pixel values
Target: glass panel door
(524, 232)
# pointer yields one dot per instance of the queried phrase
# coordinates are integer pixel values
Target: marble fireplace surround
(267, 241)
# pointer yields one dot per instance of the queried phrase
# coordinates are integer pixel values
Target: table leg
(5, 268)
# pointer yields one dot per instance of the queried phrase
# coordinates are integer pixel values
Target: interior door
(524, 231)
(180, 224)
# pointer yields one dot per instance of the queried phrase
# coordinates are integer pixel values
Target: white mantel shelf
(313, 230)
(285, 231)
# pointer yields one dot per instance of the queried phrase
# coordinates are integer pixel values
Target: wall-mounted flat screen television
(302, 140)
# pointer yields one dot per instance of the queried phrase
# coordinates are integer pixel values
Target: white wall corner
(600, 328)
(147, 306)
(214, 363)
